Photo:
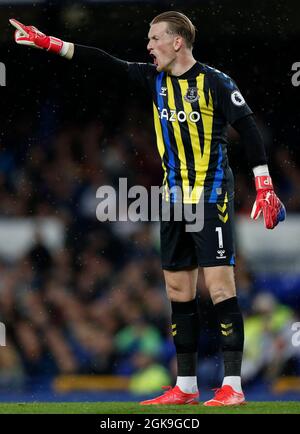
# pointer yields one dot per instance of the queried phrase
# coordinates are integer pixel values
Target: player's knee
(179, 294)
(174, 293)
(221, 293)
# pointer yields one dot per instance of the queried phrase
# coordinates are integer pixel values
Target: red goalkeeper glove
(268, 203)
(30, 35)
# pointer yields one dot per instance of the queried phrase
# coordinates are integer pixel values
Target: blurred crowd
(98, 305)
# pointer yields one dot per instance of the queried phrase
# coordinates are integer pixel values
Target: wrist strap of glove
(263, 183)
(55, 44)
(58, 46)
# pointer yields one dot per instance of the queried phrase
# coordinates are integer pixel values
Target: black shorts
(211, 246)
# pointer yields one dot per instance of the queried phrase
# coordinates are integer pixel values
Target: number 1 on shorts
(220, 236)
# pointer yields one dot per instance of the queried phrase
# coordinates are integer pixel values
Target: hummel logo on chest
(163, 91)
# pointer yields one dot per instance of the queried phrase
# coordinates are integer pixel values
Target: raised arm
(32, 37)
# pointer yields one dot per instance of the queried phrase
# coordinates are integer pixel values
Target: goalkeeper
(192, 106)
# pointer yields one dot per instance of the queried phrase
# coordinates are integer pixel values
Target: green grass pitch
(135, 408)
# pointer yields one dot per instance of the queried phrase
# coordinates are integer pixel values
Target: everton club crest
(191, 95)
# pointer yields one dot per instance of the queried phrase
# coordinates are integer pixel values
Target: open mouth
(154, 59)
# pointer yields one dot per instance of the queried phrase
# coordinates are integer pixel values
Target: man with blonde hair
(192, 106)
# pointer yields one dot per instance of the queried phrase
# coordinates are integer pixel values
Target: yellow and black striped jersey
(191, 114)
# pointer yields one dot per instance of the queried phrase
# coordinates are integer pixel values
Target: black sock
(232, 335)
(185, 330)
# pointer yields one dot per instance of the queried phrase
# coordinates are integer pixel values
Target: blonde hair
(179, 24)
